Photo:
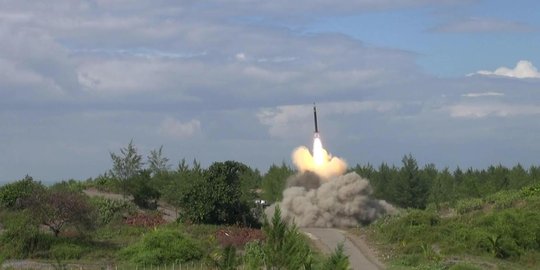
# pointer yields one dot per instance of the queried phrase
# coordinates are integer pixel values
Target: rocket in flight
(315, 119)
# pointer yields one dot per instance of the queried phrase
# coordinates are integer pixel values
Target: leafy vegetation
(56, 209)
(461, 219)
(109, 209)
(337, 260)
(162, 246)
(12, 194)
(501, 228)
(412, 187)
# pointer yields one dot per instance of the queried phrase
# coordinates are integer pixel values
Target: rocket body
(315, 119)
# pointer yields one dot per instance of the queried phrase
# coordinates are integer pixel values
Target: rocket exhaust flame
(318, 155)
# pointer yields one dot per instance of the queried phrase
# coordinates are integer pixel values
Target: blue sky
(453, 82)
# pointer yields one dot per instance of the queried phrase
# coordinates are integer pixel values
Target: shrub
(66, 251)
(253, 255)
(21, 237)
(531, 191)
(56, 209)
(337, 260)
(227, 259)
(108, 209)
(411, 260)
(148, 220)
(461, 266)
(105, 182)
(144, 195)
(162, 247)
(13, 193)
(70, 185)
(285, 247)
(466, 206)
(504, 199)
(419, 217)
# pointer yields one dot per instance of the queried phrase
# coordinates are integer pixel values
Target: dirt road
(327, 240)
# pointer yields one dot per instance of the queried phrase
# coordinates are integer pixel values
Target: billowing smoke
(321, 196)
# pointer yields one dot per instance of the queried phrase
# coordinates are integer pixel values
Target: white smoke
(342, 201)
(321, 196)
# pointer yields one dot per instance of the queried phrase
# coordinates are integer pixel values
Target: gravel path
(359, 254)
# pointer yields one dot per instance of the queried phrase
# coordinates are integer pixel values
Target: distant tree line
(225, 192)
(410, 186)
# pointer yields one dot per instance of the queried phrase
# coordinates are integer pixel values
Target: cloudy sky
(454, 83)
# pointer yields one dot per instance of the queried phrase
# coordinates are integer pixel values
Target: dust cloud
(321, 195)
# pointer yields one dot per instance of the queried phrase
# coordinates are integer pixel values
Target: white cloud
(240, 57)
(174, 128)
(476, 25)
(483, 94)
(524, 69)
(488, 110)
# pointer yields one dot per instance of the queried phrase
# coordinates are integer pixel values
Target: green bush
(108, 209)
(22, 238)
(70, 186)
(16, 192)
(105, 182)
(466, 206)
(504, 199)
(419, 218)
(337, 260)
(462, 266)
(285, 247)
(253, 255)
(162, 247)
(411, 260)
(66, 251)
(531, 191)
(227, 259)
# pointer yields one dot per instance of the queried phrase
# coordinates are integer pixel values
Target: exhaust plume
(343, 201)
(319, 195)
(321, 162)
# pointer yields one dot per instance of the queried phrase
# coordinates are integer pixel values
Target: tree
(274, 181)
(384, 186)
(413, 189)
(12, 194)
(216, 198)
(157, 163)
(337, 260)
(126, 165)
(178, 182)
(56, 209)
(366, 171)
(250, 182)
(442, 189)
(227, 260)
(285, 247)
(144, 195)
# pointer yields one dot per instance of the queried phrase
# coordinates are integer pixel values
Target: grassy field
(499, 231)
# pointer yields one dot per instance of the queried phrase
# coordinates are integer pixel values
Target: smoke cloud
(321, 196)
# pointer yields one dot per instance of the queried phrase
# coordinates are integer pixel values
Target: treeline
(223, 193)
(410, 186)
